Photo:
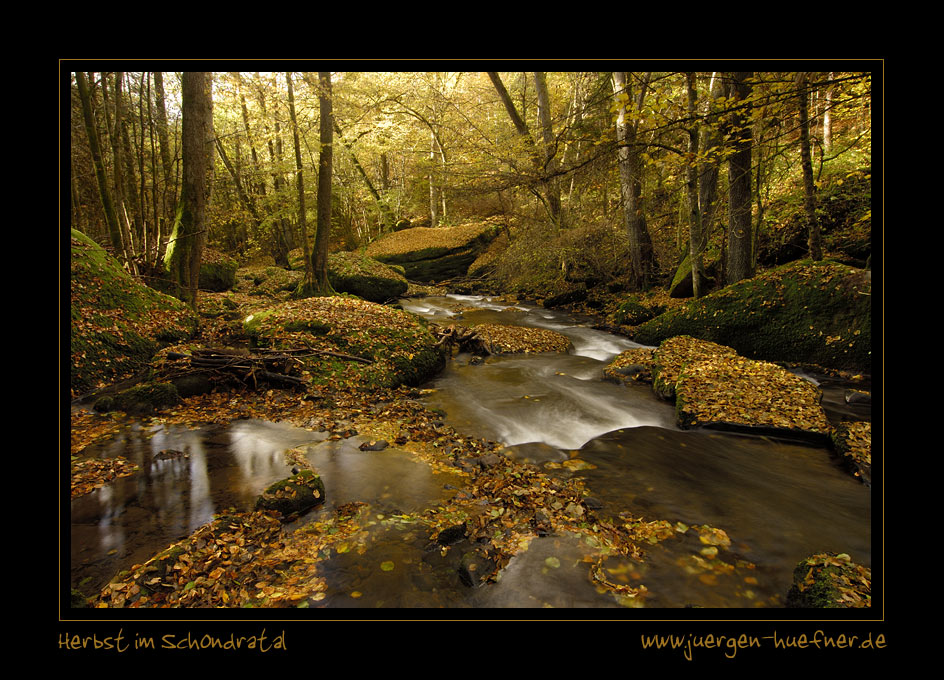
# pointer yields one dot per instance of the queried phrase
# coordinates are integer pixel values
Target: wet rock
(452, 535)
(566, 298)
(170, 454)
(830, 581)
(378, 445)
(475, 569)
(294, 495)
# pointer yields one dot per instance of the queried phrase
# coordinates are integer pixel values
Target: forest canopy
(598, 177)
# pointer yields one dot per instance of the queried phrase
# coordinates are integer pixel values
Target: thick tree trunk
(740, 239)
(809, 195)
(185, 251)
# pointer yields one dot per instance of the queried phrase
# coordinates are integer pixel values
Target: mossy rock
(746, 395)
(852, 442)
(674, 354)
(630, 365)
(390, 347)
(830, 581)
(434, 254)
(365, 277)
(117, 323)
(217, 272)
(632, 312)
(806, 312)
(141, 399)
(681, 286)
(295, 495)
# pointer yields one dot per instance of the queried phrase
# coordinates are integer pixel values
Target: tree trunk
(696, 234)
(546, 193)
(319, 254)
(739, 181)
(108, 206)
(630, 170)
(708, 170)
(552, 180)
(299, 181)
(809, 195)
(386, 215)
(169, 183)
(185, 251)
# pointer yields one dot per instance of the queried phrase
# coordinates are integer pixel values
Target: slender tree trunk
(104, 192)
(169, 180)
(552, 181)
(709, 168)
(809, 195)
(545, 194)
(696, 234)
(630, 170)
(299, 182)
(185, 251)
(434, 197)
(386, 215)
(319, 254)
(739, 181)
(828, 117)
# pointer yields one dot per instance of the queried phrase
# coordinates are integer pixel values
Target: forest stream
(778, 501)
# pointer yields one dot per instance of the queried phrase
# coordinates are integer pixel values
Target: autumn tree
(740, 234)
(630, 172)
(105, 194)
(185, 249)
(319, 253)
(696, 233)
(809, 195)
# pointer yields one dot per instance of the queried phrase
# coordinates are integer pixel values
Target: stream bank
(570, 517)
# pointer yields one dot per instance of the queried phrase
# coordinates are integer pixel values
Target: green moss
(145, 398)
(117, 323)
(805, 312)
(830, 581)
(365, 277)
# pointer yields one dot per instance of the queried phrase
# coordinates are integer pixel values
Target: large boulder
(217, 272)
(715, 388)
(117, 323)
(365, 277)
(804, 312)
(350, 340)
(435, 254)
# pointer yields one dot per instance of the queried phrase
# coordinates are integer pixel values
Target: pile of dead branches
(460, 338)
(281, 368)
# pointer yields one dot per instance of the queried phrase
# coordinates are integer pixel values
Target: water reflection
(184, 478)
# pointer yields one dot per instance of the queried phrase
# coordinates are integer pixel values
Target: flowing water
(778, 502)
